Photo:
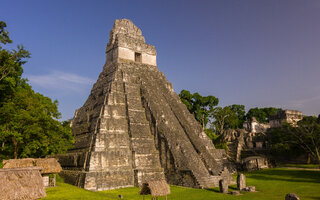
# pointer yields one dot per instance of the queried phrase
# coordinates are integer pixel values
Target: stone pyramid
(133, 127)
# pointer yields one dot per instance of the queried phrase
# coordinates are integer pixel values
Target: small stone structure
(254, 163)
(241, 181)
(133, 128)
(21, 183)
(48, 167)
(248, 147)
(223, 185)
(288, 116)
(254, 126)
(242, 145)
(291, 196)
(155, 188)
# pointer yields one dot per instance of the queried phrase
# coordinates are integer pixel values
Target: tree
(236, 120)
(229, 117)
(262, 114)
(29, 125)
(221, 116)
(199, 106)
(4, 34)
(304, 137)
(307, 136)
(10, 64)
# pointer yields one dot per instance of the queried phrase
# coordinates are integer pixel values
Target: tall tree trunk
(221, 128)
(309, 159)
(202, 122)
(318, 155)
(15, 143)
(318, 159)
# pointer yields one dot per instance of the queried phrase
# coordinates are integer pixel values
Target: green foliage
(199, 105)
(217, 140)
(291, 141)
(262, 114)
(10, 65)
(221, 116)
(307, 136)
(59, 179)
(4, 34)
(237, 118)
(280, 143)
(28, 120)
(29, 125)
(271, 184)
(229, 117)
(205, 111)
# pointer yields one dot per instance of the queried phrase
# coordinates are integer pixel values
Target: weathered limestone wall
(125, 53)
(149, 59)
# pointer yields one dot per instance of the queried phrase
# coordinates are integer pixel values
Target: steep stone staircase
(213, 181)
(145, 156)
(232, 150)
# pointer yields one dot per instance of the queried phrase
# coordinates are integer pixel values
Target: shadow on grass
(213, 190)
(287, 175)
(217, 189)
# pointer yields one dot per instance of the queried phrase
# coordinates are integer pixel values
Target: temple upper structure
(127, 42)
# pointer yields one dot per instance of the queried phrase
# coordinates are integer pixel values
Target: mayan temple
(133, 127)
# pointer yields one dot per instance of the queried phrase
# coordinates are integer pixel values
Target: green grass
(306, 166)
(271, 184)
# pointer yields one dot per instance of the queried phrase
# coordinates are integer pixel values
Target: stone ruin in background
(288, 116)
(248, 146)
(133, 128)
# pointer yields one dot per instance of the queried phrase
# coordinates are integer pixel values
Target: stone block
(139, 131)
(235, 193)
(249, 189)
(113, 124)
(82, 141)
(241, 181)
(80, 128)
(291, 196)
(116, 98)
(115, 111)
(137, 117)
(223, 185)
(134, 104)
(107, 180)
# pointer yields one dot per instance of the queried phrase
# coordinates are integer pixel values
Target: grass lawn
(271, 184)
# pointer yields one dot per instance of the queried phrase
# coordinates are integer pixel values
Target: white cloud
(58, 80)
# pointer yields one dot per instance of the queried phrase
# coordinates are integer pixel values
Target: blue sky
(257, 53)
